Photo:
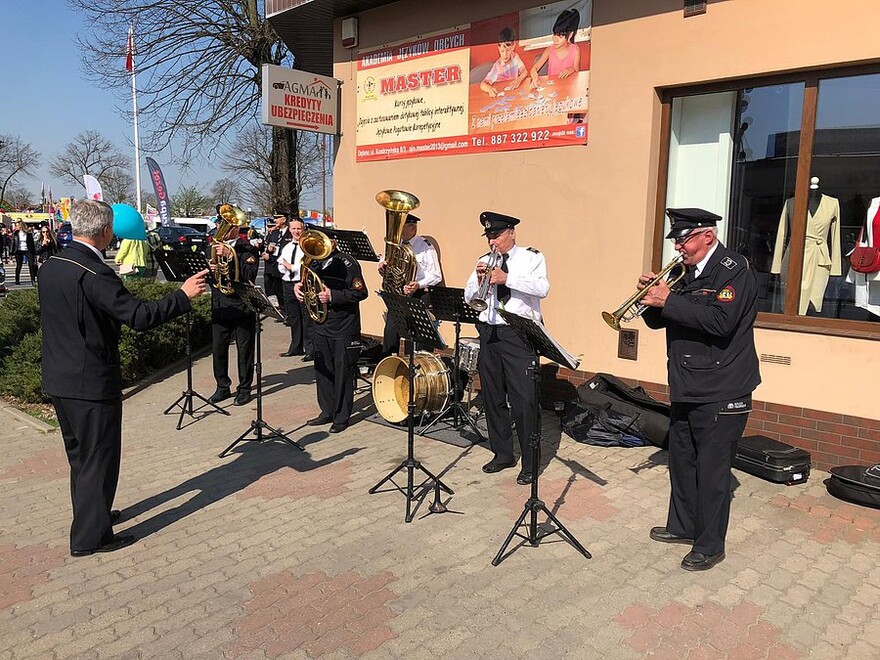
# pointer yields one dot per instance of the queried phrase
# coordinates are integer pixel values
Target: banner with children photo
(517, 81)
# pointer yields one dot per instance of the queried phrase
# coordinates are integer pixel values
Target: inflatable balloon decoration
(128, 223)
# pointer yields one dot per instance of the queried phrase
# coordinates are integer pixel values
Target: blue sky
(47, 101)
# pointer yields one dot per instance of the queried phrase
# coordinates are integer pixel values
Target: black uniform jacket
(225, 307)
(280, 240)
(341, 273)
(83, 304)
(709, 331)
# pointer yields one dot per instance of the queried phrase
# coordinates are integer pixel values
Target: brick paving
(276, 553)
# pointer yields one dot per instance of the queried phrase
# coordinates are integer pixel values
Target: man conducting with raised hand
(713, 369)
(83, 305)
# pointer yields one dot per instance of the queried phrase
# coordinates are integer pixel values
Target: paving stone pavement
(273, 552)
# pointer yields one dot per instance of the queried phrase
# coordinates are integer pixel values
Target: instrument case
(772, 460)
(609, 392)
(856, 484)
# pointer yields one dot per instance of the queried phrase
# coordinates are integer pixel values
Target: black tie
(503, 289)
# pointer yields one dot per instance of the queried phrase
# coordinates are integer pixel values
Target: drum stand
(410, 315)
(453, 404)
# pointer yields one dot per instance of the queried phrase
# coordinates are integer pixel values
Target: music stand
(355, 243)
(410, 316)
(447, 304)
(255, 300)
(179, 266)
(542, 343)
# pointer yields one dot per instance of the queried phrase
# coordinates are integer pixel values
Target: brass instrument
(632, 308)
(480, 301)
(226, 269)
(400, 260)
(315, 245)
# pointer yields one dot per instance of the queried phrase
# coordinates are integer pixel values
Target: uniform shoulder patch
(251, 259)
(727, 294)
(729, 263)
(357, 284)
(531, 249)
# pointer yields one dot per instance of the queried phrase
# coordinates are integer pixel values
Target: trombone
(633, 308)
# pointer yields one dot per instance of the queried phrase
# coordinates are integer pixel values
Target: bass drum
(391, 385)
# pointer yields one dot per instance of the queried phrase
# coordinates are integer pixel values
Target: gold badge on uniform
(357, 284)
(727, 294)
(251, 260)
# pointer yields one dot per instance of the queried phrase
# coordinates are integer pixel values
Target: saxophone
(400, 260)
(226, 272)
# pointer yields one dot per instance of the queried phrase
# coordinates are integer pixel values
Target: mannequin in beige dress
(821, 247)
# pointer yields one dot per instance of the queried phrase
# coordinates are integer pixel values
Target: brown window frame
(789, 320)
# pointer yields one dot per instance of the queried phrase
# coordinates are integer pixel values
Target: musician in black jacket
(336, 341)
(84, 304)
(713, 369)
(231, 317)
(276, 239)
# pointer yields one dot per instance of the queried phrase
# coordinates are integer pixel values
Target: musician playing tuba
(337, 340)
(230, 317)
(427, 273)
(517, 284)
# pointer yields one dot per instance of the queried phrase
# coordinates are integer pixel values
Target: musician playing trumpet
(336, 340)
(517, 283)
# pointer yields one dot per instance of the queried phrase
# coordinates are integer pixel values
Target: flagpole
(137, 144)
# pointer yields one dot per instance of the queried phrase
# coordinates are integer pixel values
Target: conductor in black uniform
(230, 317)
(713, 369)
(83, 305)
(276, 239)
(518, 284)
(337, 340)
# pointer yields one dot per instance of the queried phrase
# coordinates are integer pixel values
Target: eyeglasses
(679, 242)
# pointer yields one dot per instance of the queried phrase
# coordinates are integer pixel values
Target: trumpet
(633, 308)
(480, 301)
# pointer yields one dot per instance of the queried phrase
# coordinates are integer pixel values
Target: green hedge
(142, 353)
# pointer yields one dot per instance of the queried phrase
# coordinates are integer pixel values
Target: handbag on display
(866, 258)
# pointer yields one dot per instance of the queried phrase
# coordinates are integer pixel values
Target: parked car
(261, 225)
(174, 237)
(64, 234)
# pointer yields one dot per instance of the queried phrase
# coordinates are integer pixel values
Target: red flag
(129, 53)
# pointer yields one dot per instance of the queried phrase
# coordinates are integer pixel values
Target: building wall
(590, 209)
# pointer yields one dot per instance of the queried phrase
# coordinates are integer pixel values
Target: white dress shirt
(427, 265)
(291, 253)
(527, 281)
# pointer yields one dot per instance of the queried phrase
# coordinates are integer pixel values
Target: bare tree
(17, 158)
(225, 191)
(189, 202)
(90, 153)
(20, 198)
(250, 158)
(199, 71)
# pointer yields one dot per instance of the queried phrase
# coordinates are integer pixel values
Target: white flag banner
(93, 188)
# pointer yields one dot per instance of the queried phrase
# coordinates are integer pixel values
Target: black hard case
(772, 460)
(853, 484)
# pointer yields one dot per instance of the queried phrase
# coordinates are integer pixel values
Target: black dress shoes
(665, 536)
(524, 478)
(308, 357)
(494, 466)
(220, 395)
(290, 353)
(338, 428)
(697, 561)
(116, 543)
(319, 421)
(243, 398)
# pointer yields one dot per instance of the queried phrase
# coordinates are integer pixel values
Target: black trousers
(272, 283)
(390, 336)
(92, 433)
(242, 327)
(32, 265)
(503, 365)
(335, 363)
(702, 444)
(299, 320)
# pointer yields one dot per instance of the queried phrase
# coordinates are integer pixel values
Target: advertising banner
(161, 192)
(300, 100)
(517, 81)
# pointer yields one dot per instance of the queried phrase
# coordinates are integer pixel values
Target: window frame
(789, 320)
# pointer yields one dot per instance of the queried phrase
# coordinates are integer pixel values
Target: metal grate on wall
(776, 359)
(694, 7)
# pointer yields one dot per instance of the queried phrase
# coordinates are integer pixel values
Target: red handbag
(866, 258)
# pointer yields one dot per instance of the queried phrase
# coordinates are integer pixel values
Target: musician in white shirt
(290, 268)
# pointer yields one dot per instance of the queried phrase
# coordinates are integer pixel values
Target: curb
(20, 416)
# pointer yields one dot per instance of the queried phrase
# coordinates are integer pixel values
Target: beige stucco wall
(590, 209)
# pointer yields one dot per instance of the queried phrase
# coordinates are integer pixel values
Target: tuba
(226, 266)
(315, 245)
(632, 308)
(400, 260)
